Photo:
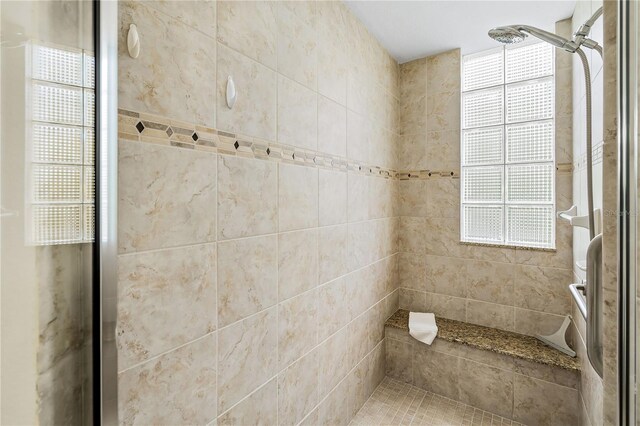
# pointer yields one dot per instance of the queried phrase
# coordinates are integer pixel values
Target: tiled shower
(288, 191)
(263, 246)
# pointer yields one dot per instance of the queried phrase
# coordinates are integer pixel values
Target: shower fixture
(511, 34)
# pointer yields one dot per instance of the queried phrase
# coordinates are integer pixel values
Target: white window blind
(508, 133)
(62, 145)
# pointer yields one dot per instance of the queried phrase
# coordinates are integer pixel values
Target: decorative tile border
(141, 127)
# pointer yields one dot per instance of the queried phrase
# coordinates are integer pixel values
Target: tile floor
(398, 403)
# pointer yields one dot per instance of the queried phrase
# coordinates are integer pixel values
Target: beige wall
(512, 289)
(253, 285)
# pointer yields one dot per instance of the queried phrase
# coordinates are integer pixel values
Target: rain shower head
(516, 33)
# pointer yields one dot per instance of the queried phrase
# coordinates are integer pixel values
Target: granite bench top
(491, 339)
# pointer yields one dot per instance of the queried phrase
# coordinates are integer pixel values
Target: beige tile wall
(251, 289)
(518, 290)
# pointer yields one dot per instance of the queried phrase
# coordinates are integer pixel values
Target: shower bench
(509, 374)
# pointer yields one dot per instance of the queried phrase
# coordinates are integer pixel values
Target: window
(507, 147)
(61, 143)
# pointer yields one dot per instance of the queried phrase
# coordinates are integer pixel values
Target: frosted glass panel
(57, 144)
(482, 146)
(57, 104)
(57, 183)
(483, 223)
(482, 184)
(508, 146)
(530, 142)
(483, 70)
(528, 62)
(57, 65)
(530, 226)
(482, 108)
(532, 100)
(530, 183)
(57, 224)
(89, 71)
(63, 143)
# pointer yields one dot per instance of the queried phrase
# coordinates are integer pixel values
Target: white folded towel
(422, 326)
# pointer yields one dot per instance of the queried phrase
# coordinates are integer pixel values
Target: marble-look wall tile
(543, 289)
(399, 359)
(446, 275)
(173, 76)
(247, 357)
(333, 367)
(332, 252)
(200, 15)
(436, 372)
(332, 127)
(298, 389)
(297, 327)
(165, 299)
(491, 281)
(297, 262)
(297, 42)
(261, 407)
(332, 51)
(247, 277)
(298, 197)
(543, 403)
(413, 300)
(412, 271)
(157, 202)
(250, 28)
(254, 112)
(297, 114)
(334, 410)
(332, 197)
(358, 197)
(535, 322)
(178, 387)
(446, 306)
(247, 197)
(359, 136)
(413, 197)
(486, 387)
(332, 307)
(491, 315)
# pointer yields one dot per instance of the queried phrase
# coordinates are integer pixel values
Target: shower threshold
(398, 403)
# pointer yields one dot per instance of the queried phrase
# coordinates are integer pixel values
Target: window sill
(506, 246)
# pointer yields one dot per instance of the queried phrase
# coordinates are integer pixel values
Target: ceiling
(415, 29)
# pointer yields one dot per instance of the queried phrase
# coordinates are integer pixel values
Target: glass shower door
(47, 216)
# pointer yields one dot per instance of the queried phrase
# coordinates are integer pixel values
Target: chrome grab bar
(577, 291)
(594, 303)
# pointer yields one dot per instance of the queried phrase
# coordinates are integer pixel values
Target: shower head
(516, 33)
(507, 35)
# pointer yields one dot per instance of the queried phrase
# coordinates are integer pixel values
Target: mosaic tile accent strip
(398, 403)
(148, 128)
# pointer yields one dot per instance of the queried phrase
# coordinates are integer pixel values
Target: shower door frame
(627, 109)
(105, 360)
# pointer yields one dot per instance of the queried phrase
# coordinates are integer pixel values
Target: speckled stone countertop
(491, 339)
